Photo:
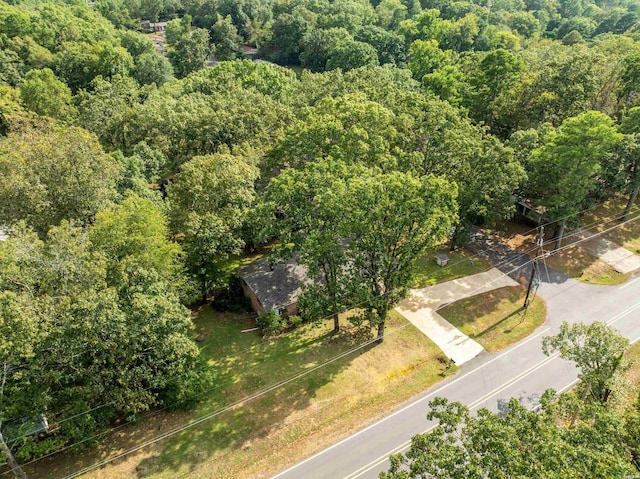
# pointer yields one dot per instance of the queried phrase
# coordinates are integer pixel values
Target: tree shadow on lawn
(468, 310)
(248, 366)
(278, 376)
(235, 430)
(496, 325)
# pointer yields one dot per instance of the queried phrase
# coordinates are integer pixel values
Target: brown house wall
(255, 303)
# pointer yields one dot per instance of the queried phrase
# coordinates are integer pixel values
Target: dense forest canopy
(129, 169)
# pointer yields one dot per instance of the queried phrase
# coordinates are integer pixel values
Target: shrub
(295, 321)
(270, 323)
(231, 297)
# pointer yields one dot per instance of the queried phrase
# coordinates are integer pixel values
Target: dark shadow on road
(511, 262)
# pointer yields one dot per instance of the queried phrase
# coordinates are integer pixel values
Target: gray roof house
(273, 287)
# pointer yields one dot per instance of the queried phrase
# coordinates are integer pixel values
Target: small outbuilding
(442, 260)
(273, 287)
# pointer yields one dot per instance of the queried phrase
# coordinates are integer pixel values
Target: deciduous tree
(596, 349)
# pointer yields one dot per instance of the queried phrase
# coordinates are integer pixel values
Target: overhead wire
(282, 383)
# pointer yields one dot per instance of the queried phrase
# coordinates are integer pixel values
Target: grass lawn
(280, 427)
(495, 319)
(633, 355)
(578, 263)
(627, 235)
(461, 263)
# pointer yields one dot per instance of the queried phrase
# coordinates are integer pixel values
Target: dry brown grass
(281, 427)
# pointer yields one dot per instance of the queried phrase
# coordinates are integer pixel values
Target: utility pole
(4, 447)
(13, 464)
(534, 266)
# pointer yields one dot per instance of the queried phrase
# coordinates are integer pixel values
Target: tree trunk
(15, 467)
(336, 323)
(632, 200)
(381, 332)
(454, 237)
(559, 233)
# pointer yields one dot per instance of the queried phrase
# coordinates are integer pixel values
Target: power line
(282, 383)
(239, 402)
(246, 399)
(100, 406)
(206, 417)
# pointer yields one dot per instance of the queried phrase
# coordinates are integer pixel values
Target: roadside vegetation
(144, 157)
(266, 434)
(496, 319)
(477, 444)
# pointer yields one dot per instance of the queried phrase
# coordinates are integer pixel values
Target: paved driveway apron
(421, 306)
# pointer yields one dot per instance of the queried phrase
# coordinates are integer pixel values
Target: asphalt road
(490, 380)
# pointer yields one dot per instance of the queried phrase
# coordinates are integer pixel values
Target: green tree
(426, 57)
(307, 215)
(388, 45)
(596, 349)
(317, 45)
(500, 70)
(391, 13)
(50, 173)
(350, 128)
(516, 444)
(351, 54)
(107, 346)
(190, 52)
(209, 200)
(149, 65)
(44, 94)
(78, 64)
(631, 157)
(287, 32)
(103, 110)
(391, 219)
(225, 39)
(564, 170)
(152, 68)
(133, 236)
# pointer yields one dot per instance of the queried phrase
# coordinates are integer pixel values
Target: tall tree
(516, 444)
(106, 346)
(225, 38)
(189, 48)
(564, 169)
(209, 200)
(631, 127)
(44, 94)
(308, 215)
(49, 173)
(391, 219)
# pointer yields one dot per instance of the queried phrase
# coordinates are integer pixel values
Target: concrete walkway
(621, 259)
(421, 305)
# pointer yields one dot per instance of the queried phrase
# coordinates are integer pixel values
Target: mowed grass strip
(496, 319)
(281, 427)
(578, 263)
(633, 356)
(462, 262)
(607, 215)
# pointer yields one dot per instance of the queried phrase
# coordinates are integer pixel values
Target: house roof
(277, 286)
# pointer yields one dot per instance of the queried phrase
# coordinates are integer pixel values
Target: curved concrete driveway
(421, 306)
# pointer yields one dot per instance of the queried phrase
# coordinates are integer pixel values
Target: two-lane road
(490, 380)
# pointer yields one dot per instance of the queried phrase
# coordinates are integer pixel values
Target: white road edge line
(473, 405)
(629, 283)
(417, 401)
(376, 462)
